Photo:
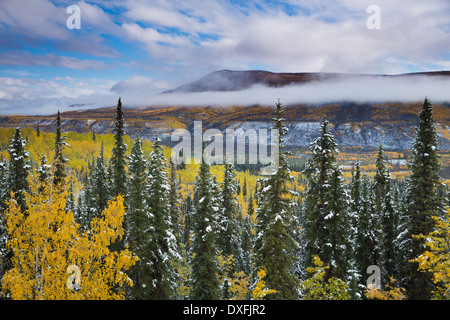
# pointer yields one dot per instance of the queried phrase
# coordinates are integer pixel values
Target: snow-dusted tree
(422, 203)
(19, 168)
(100, 192)
(319, 169)
(118, 158)
(5, 253)
(205, 268)
(389, 233)
(138, 221)
(175, 201)
(275, 243)
(59, 161)
(227, 214)
(162, 242)
(43, 171)
(336, 250)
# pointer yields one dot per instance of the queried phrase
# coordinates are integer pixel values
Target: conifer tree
(100, 191)
(227, 214)
(205, 268)
(18, 168)
(175, 201)
(389, 229)
(365, 244)
(44, 170)
(60, 160)
(277, 227)
(118, 158)
(422, 203)
(162, 242)
(117, 176)
(138, 221)
(318, 169)
(337, 223)
(245, 236)
(5, 253)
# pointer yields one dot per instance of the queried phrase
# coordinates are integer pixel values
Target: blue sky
(125, 47)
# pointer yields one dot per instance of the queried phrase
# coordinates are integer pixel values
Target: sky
(135, 48)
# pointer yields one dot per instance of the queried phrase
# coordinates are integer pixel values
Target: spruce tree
(138, 221)
(117, 176)
(205, 268)
(318, 170)
(43, 171)
(275, 244)
(227, 214)
(422, 203)
(60, 160)
(245, 236)
(389, 227)
(365, 246)
(100, 192)
(162, 242)
(175, 201)
(337, 224)
(118, 158)
(19, 168)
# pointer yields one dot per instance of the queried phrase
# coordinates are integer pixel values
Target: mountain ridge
(235, 80)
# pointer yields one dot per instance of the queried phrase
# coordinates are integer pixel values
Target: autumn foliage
(45, 240)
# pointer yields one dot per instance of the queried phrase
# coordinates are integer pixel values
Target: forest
(109, 216)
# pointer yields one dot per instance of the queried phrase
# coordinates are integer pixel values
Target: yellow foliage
(46, 240)
(391, 292)
(318, 288)
(437, 259)
(260, 290)
(240, 286)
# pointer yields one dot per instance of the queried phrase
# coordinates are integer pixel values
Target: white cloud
(38, 96)
(360, 89)
(324, 36)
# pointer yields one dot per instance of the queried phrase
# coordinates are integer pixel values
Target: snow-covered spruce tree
(5, 253)
(19, 168)
(389, 233)
(337, 249)
(205, 268)
(175, 201)
(100, 191)
(318, 170)
(117, 176)
(118, 158)
(422, 203)
(162, 243)
(245, 239)
(277, 228)
(380, 181)
(59, 161)
(364, 242)
(138, 221)
(43, 171)
(227, 214)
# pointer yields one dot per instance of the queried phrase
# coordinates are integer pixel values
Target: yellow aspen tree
(391, 292)
(437, 259)
(260, 290)
(47, 240)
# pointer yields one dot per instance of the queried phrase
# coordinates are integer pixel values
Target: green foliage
(205, 268)
(319, 287)
(423, 202)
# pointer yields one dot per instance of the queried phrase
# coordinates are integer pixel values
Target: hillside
(231, 80)
(354, 124)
